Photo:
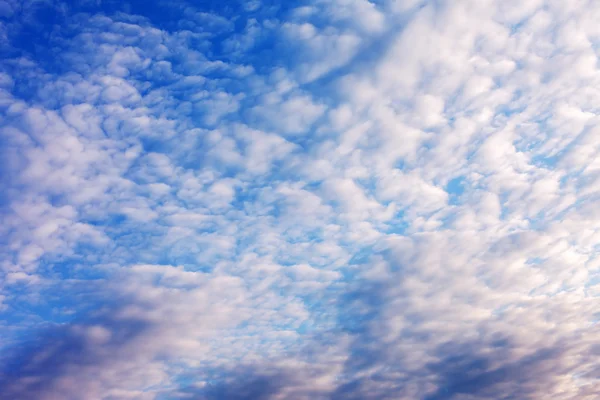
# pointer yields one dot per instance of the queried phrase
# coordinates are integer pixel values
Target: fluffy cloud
(332, 200)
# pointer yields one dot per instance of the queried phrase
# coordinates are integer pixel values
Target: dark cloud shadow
(35, 367)
(465, 370)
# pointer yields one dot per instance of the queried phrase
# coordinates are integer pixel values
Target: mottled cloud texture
(326, 199)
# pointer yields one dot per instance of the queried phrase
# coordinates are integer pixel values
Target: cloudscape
(316, 199)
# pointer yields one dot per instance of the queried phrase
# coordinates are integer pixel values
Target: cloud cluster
(344, 199)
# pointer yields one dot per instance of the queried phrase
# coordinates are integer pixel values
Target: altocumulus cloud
(326, 199)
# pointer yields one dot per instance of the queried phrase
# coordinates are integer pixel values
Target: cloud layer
(333, 199)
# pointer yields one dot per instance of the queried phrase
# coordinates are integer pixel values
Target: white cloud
(386, 200)
(319, 52)
(293, 114)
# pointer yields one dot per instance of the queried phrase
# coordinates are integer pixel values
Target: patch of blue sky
(319, 319)
(75, 265)
(56, 303)
(505, 211)
(535, 261)
(511, 109)
(398, 226)
(455, 189)
(448, 221)
(548, 162)
(293, 236)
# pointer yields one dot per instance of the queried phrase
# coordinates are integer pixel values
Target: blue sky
(320, 199)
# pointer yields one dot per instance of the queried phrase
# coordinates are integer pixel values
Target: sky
(316, 199)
